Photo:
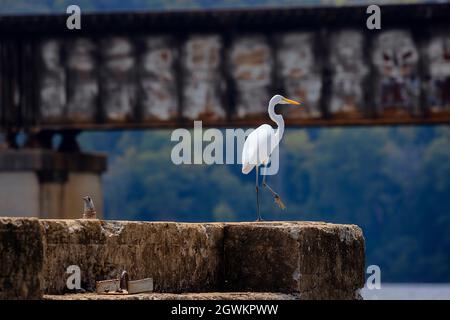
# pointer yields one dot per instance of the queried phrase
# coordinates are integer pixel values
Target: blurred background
(392, 181)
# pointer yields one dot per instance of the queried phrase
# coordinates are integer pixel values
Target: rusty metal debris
(89, 209)
(123, 285)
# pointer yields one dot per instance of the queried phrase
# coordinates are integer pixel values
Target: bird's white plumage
(257, 147)
(260, 144)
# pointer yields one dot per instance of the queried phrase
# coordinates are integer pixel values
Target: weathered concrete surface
(178, 296)
(21, 258)
(180, 257)
(305, 260)
(316, 260)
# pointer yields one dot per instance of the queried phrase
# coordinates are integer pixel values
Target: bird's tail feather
(246, 168)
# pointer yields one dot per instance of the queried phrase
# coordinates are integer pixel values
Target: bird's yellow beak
(291, 101)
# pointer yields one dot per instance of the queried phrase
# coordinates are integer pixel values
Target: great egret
(260, 144)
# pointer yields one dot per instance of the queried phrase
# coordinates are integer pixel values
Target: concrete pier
(295, 260)
(52, 182)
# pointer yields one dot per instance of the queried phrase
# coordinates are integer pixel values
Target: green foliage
(393, 182)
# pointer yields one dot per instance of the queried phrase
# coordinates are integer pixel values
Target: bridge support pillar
(49, 184)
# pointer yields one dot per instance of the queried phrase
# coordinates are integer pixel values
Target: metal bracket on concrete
(124, 286)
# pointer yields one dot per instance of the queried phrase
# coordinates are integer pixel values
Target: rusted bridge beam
(165, 69)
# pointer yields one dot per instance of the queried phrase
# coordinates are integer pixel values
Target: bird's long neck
(278, 119)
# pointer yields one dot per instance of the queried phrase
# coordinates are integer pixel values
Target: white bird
(260, 144)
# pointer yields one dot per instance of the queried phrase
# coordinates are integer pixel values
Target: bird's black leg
(276, 197)
(257, 196)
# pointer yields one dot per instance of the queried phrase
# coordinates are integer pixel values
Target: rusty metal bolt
(89, 209)
(124, 280)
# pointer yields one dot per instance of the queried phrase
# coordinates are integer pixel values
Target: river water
(408, 291)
